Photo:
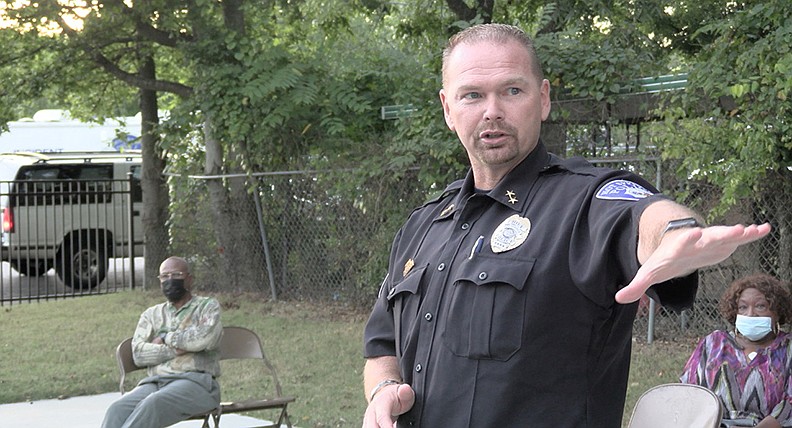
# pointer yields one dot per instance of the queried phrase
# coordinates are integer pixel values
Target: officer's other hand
(390, 402)
(683, 251)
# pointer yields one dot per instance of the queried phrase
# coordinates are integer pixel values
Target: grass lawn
(66, 348)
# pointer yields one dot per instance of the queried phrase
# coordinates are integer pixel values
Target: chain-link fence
(310, 237)
(771, 203)
(315, 239)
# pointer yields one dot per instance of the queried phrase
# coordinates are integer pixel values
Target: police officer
(509, 298)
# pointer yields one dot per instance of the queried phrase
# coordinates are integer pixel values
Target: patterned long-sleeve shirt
(195, 328)
(749, 389)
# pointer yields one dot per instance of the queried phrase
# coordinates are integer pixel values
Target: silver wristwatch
(682, 223)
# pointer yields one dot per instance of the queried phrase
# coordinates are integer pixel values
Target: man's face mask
(173, 289)
(754, 328)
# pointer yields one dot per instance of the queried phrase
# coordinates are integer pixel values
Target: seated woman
(750, 368)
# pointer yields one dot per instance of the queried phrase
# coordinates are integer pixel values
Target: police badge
(510, 234)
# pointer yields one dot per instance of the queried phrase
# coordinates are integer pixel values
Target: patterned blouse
(195, 328)
(749, 389)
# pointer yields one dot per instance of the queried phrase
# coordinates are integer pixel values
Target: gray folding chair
(125, 362)
(237, 343)
(677, 405)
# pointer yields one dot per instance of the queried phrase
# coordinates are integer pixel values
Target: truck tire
(82, 264)
(31, 267)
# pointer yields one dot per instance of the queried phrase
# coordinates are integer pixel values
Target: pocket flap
(485, 270)
(410, 284)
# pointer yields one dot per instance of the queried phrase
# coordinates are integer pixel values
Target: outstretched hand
(683, 251)
(387, 405)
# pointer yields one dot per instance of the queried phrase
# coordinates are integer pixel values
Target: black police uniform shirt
(517, 325)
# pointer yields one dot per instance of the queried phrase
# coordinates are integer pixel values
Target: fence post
(131, 246)
(260, 215)
(650, 325)
(652, 304)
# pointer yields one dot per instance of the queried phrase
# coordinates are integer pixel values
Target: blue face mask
(754, 328)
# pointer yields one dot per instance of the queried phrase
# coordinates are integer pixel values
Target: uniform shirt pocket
(485, 314)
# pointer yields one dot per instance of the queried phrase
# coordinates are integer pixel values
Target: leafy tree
(747, 135)
(251, 80)
(731, 127)
(278, 85)
(46, 59)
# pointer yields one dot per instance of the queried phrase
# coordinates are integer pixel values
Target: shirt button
(483, 275)
(418, 368)
(465, 226)
(441, 266)
(428, 316)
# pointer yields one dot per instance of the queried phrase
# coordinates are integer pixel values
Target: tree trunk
(241, 263)
(155, 189)
(235, 223)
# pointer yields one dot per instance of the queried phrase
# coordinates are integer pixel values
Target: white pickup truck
(71, 211)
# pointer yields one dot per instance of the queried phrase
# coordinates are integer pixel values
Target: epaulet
(452, 189)
(576, 165)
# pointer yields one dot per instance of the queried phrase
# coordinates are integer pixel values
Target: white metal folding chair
(677, 405)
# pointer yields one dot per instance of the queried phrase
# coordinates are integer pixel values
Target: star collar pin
(512, 197)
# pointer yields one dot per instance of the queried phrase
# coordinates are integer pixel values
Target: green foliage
(21, 86)
(290, 85)
(43, 68)
(740, 131)
(586, 62)
(676, 22)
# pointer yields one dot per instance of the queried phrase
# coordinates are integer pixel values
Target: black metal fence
(63, 238)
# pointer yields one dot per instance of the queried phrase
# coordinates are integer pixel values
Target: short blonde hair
(495, 33)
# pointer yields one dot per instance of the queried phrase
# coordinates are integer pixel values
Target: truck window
(39, 185)
(137, 191)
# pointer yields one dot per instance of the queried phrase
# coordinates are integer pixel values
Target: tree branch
(126, 77)
(148, 31)
(461, 10)
(482, 8)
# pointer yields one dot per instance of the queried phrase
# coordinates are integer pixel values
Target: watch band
(381, 385)
(682, 223)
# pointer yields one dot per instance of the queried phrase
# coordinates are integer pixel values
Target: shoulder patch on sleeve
(622, 190)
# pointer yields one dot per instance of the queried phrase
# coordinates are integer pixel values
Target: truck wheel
(31, 267)
(81, 266)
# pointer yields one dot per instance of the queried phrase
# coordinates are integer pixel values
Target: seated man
(178, 341)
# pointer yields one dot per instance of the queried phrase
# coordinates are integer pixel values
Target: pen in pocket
(476, 247)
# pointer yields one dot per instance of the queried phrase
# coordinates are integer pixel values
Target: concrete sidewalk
(86, 412)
